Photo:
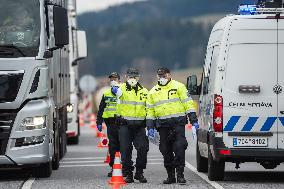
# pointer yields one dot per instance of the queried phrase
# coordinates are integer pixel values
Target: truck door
(249, 103)
(278, 88)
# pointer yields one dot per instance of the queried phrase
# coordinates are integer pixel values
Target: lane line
(99, 161)
(101, 165)
(94, 158)
(203, 176)
(28, 184)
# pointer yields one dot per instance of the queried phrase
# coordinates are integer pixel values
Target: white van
(241, 104)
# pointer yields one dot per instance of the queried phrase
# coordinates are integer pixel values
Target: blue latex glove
(114, 89)
(195, 126)
(151, 133)
(100, 128)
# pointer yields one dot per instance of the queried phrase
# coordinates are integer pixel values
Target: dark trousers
(173, 145)
(113, 136)
(129, 136)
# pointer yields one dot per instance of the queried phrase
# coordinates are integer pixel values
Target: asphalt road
(84, 167)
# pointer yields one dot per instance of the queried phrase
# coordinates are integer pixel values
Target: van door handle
(281, 112)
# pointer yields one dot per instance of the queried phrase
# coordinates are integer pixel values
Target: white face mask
(163, 81)
(132, 82)
(113, 83)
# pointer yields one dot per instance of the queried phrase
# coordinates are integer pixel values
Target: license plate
(250, 142)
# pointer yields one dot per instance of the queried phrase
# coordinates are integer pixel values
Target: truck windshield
(19, 28)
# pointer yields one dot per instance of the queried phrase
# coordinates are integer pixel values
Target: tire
(76, 140)
(56, 158)
(43, 171)
(201, 162)
(73, 140)
(62, 135)
(216, 169)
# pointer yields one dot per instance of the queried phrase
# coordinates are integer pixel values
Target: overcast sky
(96, 5)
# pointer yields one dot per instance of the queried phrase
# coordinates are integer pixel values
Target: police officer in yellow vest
(131, 109)
(106, 113)
(168, 106)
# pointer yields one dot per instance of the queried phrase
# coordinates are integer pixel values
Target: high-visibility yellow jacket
(110, 107)
(169, 101)
(132, 104)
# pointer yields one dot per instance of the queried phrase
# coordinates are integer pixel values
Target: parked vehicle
(241, 109)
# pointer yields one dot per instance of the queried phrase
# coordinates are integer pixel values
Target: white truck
(241, 104)
(77, 51)
(34, 84)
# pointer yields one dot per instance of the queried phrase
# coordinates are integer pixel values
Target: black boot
(171, 176)
(129, 177)
(110, 173)
(139, 176)
(180, 175)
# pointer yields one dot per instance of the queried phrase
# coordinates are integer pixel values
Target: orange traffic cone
(81, 120)
(103, 143)
(93, 121)
(100, 134)
(117, 178)
(107, 158)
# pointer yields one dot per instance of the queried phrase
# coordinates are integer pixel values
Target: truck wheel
(73, 140)
(43, 171)
(56, 158)
(76, 140)
(216, 169)
(201, 162)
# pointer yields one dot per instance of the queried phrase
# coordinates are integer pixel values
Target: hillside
(171, 33)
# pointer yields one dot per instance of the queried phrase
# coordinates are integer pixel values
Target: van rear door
(279, 87)
(250, 105)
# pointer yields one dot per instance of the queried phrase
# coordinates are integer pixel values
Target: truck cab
(34, 82)
(241, 104)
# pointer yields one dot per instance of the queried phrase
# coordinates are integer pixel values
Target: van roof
(224, 22)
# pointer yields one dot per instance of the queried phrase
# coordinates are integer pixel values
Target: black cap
(114, 74)
(132, 72)
(163, 71)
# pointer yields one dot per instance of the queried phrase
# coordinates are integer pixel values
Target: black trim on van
(250, 134)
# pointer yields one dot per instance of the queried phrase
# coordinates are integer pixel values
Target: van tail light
(225, 152)
(218, 114)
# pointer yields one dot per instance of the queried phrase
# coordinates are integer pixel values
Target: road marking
(101, 165)
(97, 158)
(203, 176)
(86, 158)
(71, 162)
(98, 161)
(28, 184)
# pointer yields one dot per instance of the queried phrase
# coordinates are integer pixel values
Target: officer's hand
(194, 128)
(100, 128)
(151, 133)
(196, 125)
(114, 89)
(117, 91)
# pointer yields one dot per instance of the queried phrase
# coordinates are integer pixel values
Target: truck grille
(6, 124)
(10, 84)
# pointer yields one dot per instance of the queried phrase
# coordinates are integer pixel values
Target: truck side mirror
(192, 87)
(81, 46)
(60, 20)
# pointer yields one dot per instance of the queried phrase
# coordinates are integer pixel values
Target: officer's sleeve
(187, 101)
(101, 111)
(150, 118)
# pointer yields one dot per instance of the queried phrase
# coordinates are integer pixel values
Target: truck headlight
(31, 123)
(70, 108)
